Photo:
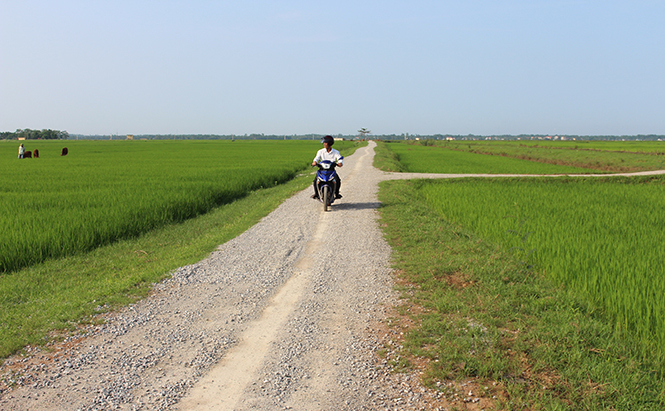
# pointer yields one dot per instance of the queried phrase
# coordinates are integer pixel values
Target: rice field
(596, 156)
(652, 147)
(417, 158)
(601, 238)
(104, 191)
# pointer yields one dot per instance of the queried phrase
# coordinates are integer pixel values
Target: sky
(332, 67)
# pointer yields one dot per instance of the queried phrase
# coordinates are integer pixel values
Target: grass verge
(478, 313)
(386, 159)
(61, 294)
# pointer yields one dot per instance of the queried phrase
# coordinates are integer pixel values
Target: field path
(285, 316)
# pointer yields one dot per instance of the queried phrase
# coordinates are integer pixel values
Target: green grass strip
(485, 315)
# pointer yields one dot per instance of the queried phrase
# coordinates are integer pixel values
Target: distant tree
(28, 134)
(363, 132)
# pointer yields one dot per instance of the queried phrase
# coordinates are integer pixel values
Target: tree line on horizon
(28, 134)
(405, 136)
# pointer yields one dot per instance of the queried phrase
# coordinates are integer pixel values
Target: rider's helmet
(328, 139)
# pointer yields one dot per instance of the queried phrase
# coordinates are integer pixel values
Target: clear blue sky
(295, 67)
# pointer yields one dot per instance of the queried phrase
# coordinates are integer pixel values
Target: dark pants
(337, 180)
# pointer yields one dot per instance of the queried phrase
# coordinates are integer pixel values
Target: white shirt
(323, 154)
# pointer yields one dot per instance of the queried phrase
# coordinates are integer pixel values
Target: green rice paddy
(596, 156)
(649, 147)
(602, 239)
(418, 158)
(549, 289)
(104, 191)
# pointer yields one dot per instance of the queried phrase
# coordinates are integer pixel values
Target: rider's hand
(313, 163)
(339, 164)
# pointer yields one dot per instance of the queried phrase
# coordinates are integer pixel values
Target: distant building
(130, 136)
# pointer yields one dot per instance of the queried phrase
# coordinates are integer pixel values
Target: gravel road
(285, 316)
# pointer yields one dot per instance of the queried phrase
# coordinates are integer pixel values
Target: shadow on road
(357, 206)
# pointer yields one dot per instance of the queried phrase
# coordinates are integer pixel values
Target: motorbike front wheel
(326, 197)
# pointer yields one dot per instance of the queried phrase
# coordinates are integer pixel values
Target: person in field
(21, 151)
(330, 154)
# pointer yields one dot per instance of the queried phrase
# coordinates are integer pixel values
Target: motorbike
(325, 183)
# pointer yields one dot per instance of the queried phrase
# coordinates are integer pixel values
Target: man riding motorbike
(330, 154)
